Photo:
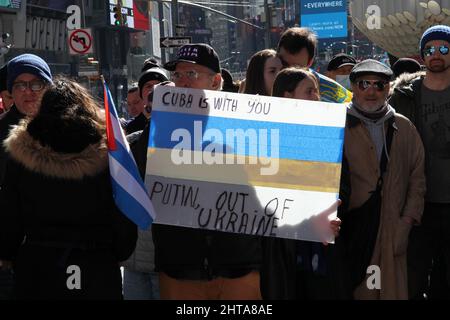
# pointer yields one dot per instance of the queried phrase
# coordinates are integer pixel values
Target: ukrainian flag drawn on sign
(243, 163)
(331, 91)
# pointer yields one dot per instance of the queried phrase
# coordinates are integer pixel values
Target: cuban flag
(129, 191)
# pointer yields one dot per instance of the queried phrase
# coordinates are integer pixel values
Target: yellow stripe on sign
(244, 170)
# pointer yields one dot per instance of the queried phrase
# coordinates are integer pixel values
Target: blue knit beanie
(439, 32)
(28, 63)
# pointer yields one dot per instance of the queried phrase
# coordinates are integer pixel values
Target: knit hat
(28, 63)
(405, 65)
(151, 74)
(439, 32)
(150, 63)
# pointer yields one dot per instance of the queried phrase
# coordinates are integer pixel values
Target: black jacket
(57, 211)
(279, 272)
(12, 117)
(136, 124)
(406, 96)
(194, 254)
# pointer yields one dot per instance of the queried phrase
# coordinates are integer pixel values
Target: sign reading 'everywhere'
(328, 19)
(245, 164)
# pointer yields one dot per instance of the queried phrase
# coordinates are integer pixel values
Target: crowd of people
(57, 208)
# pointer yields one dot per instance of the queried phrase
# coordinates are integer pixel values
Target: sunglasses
(429, 51)
(36, 85)
(377, 84)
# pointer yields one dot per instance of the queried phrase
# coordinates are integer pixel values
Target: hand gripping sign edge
(75, 38)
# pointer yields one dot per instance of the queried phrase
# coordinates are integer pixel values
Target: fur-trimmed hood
(28, 151)
(404, 81)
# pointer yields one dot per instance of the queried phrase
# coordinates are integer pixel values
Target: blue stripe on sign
(297, 142)
(130, 207)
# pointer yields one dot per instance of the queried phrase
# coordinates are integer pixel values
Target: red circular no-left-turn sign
(80, 41)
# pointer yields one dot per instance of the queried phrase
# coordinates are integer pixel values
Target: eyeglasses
(35, 85)
(191, 75)
(429, 51)
(366, 84)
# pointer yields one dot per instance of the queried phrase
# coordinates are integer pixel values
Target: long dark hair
(69, 118)
(288, 79)
(254, 80)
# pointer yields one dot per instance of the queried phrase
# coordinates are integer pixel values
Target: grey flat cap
(371, 66)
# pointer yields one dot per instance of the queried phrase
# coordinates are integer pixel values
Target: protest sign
(245, 163)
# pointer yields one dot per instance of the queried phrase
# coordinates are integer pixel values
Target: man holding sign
(239, 167)
(203, 264)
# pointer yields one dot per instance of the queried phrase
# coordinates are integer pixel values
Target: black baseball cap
(196, 53)
(340, 60)
(371, 66)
